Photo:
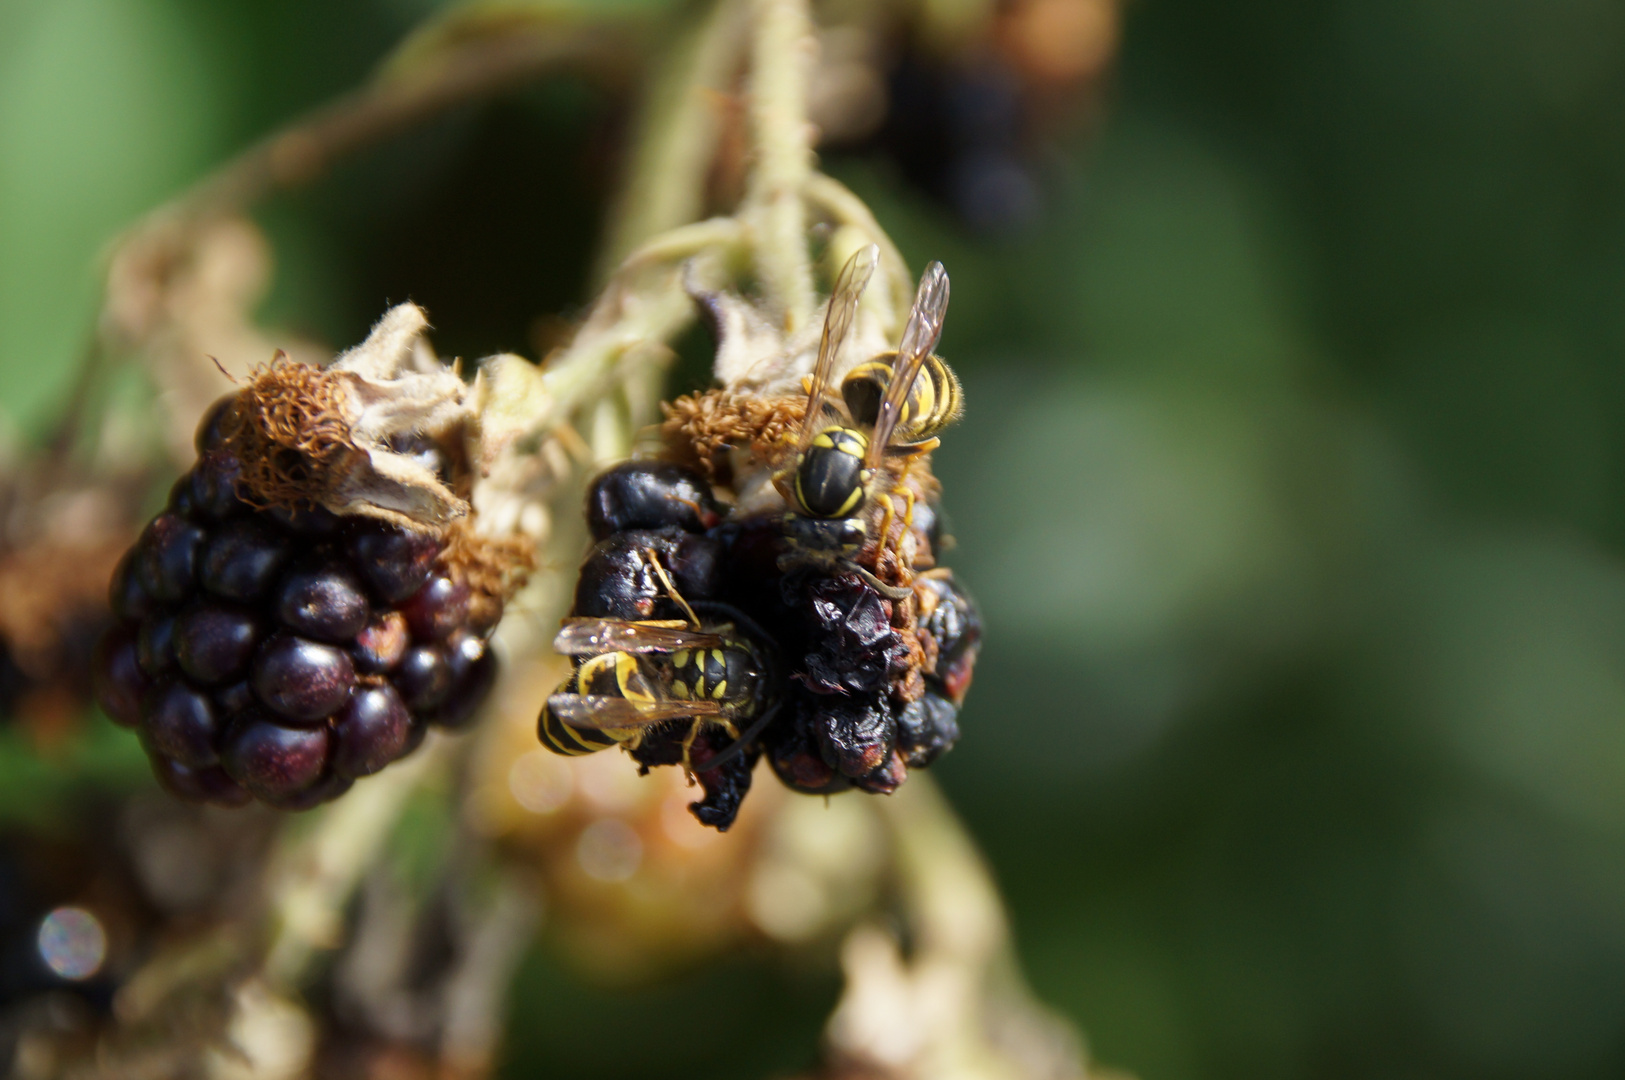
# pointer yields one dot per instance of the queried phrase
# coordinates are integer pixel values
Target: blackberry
(870, 688)
(280, 653)
(650, 495)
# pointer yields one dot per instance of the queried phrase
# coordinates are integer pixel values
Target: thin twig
(405, 95)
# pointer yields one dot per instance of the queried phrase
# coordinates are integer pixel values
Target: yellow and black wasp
(634, 676)
(895, 404)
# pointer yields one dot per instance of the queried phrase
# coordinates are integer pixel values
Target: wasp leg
(688, 747)
(908, 515)
(671, 586)
(891, 514)
(890, 592)
(885, 529)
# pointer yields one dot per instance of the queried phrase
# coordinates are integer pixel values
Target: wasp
(896, 403)
(635, 676)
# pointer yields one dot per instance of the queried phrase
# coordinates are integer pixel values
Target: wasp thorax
(829, 475)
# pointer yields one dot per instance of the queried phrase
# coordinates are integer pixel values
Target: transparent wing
(843, 306)
(594, 637)
(610, 713)
(919, 338)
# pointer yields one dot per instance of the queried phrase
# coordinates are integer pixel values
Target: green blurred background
(1290, 484)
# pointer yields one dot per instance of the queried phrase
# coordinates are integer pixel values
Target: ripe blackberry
(278, 654)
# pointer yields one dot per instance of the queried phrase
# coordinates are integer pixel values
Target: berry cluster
(641, 513)
(280, 654)
(870, 685)
(875, 681)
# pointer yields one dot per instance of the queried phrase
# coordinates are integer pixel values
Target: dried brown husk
(325, 436)
(701, 428)
(494, 568)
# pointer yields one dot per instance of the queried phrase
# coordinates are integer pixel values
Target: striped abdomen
(934, 402)
(614, 674)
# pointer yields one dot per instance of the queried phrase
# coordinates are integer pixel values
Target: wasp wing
(843, 307)
(594, 637)
(613, 713)
(919, 338)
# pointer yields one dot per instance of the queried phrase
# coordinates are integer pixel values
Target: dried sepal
(329, 436)
(701, 428)
(509, 393)
(495, 568)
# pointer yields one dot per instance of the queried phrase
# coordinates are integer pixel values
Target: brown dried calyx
(701, 428)
(495, 568)
(333, 436)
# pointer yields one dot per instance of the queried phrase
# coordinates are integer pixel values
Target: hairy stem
(781, 59)
(845, 208)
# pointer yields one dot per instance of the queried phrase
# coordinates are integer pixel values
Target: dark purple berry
(180, 498)
(423, 677)
(155, 645)
(120, 684)
(380, 646)
(616, 581)
(464, 651)
(437, 609)
(214, 484)
(241, 560)
(166, 557)
(325, 602)
(926, 729)
(370, 732)
(474, 671)
(208, 430)
(415, 736)
(650, 495)
(302, 681)
(233, 699)
(272, 761)
(178, 722)
(213, 642)
(854, 733)
(395, 562)
(308, 520)
(244, 628)
(198, 785)
(324, 790)
(124, 592)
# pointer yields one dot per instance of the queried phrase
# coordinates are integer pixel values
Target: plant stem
(427, 77)
(955, 1005)
(315, 873)
(839, 202)
(781, 56)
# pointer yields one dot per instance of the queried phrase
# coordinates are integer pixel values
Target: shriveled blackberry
(279, 654)
(869, 682)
